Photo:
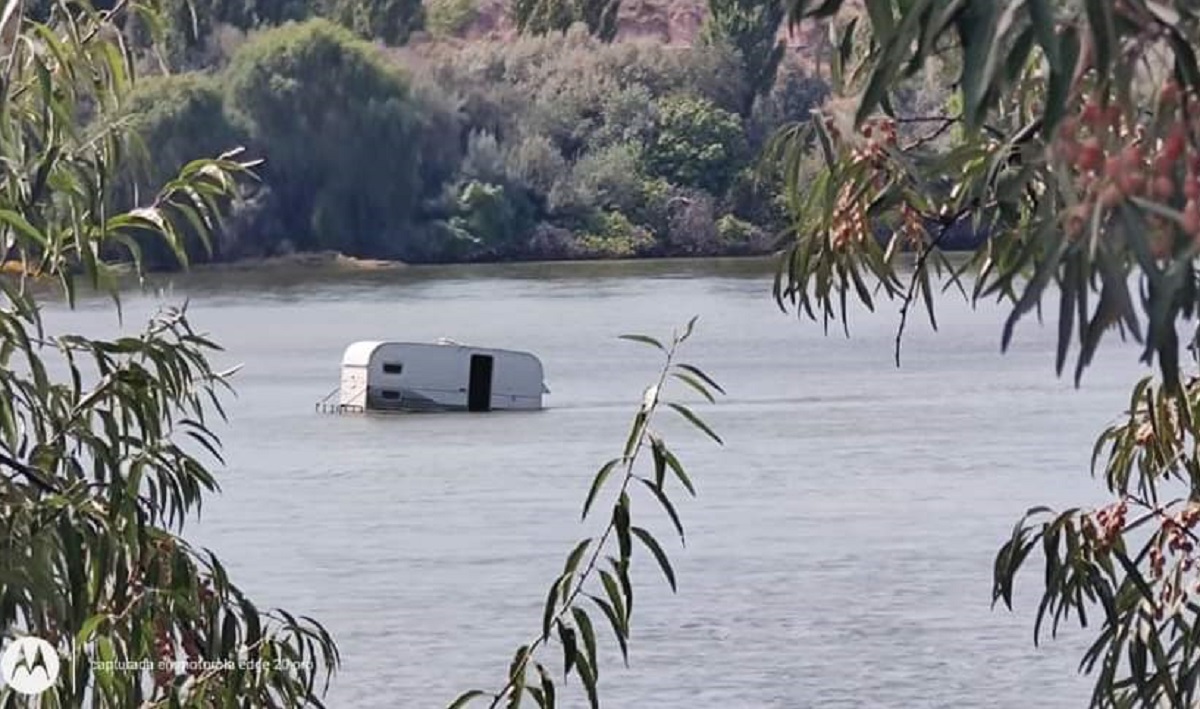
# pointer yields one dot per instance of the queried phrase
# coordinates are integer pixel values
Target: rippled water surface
(838, 554)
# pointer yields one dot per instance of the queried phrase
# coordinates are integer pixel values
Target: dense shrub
(607, 179)
(612, 235)
(736, 236)
(492, 220)
(175, 119)
(696, 143)
(252, 14)
(692, 228)
(440, 128)
(754, 196)
(535, 164)
(575, 65)
(484, 158)
(793, 99)
(445, 18)
(597, 17)
(553, 242)
(751, 27)
(178, 119)
(559, 146)
(390, 21)
(339, 131)
(190, 35)
(578, 127)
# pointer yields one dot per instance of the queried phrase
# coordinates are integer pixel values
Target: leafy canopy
(106, 445)
(1074, 146)
(696, 144)
(751, 27)
(545, 16)
(319, 103)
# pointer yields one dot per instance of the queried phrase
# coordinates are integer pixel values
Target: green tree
(391, 21)
(174, 120)
(196, 20)
(447, 18)
(573, 122)
(600, 17)
(494, 219)
(181, 34)
(106, 446)
(696, 144)
(545, 16)
(752, 28)
(606, 179)
(337, 128)
(1077, 152)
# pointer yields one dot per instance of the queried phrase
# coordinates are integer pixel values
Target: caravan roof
(358, 354)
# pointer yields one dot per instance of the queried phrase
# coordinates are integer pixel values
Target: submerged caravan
(436, 376)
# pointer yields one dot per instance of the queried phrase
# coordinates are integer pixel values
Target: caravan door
(479, 392)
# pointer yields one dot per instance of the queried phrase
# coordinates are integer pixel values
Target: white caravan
(441, 376)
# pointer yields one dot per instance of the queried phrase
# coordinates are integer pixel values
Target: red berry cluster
(911, 227)
(1145, 435)
(191, 648)
(849, 217)
(1106, 525)
(876, 137)
(1178, 535)
(1177, 531)
(880, 134)
(164, 653)
(1115, 158)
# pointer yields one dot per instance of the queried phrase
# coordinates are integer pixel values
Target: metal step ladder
(325, 406)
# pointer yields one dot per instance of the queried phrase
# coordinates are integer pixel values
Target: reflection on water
(839, 551)
(566, 275)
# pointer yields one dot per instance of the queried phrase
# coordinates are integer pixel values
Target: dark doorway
(479, 395)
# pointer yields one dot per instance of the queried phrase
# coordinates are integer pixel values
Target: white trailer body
(414, 376)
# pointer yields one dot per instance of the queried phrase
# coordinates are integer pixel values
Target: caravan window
(392, 368)
(389, 394)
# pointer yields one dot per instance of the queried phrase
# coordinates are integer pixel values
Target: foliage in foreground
(1133, 561)
(106, 445)
(596, 573)
(1077, 148)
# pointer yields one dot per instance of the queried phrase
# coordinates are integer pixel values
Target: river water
(839, 550)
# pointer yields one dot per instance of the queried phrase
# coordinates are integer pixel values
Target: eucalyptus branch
(1062, 82)
(945, 124)
(109, 15)
(30, 473)
(115, 434)
(928, 119)
(99, 19)
(910, 294)
(590, 567)
(562, 612)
